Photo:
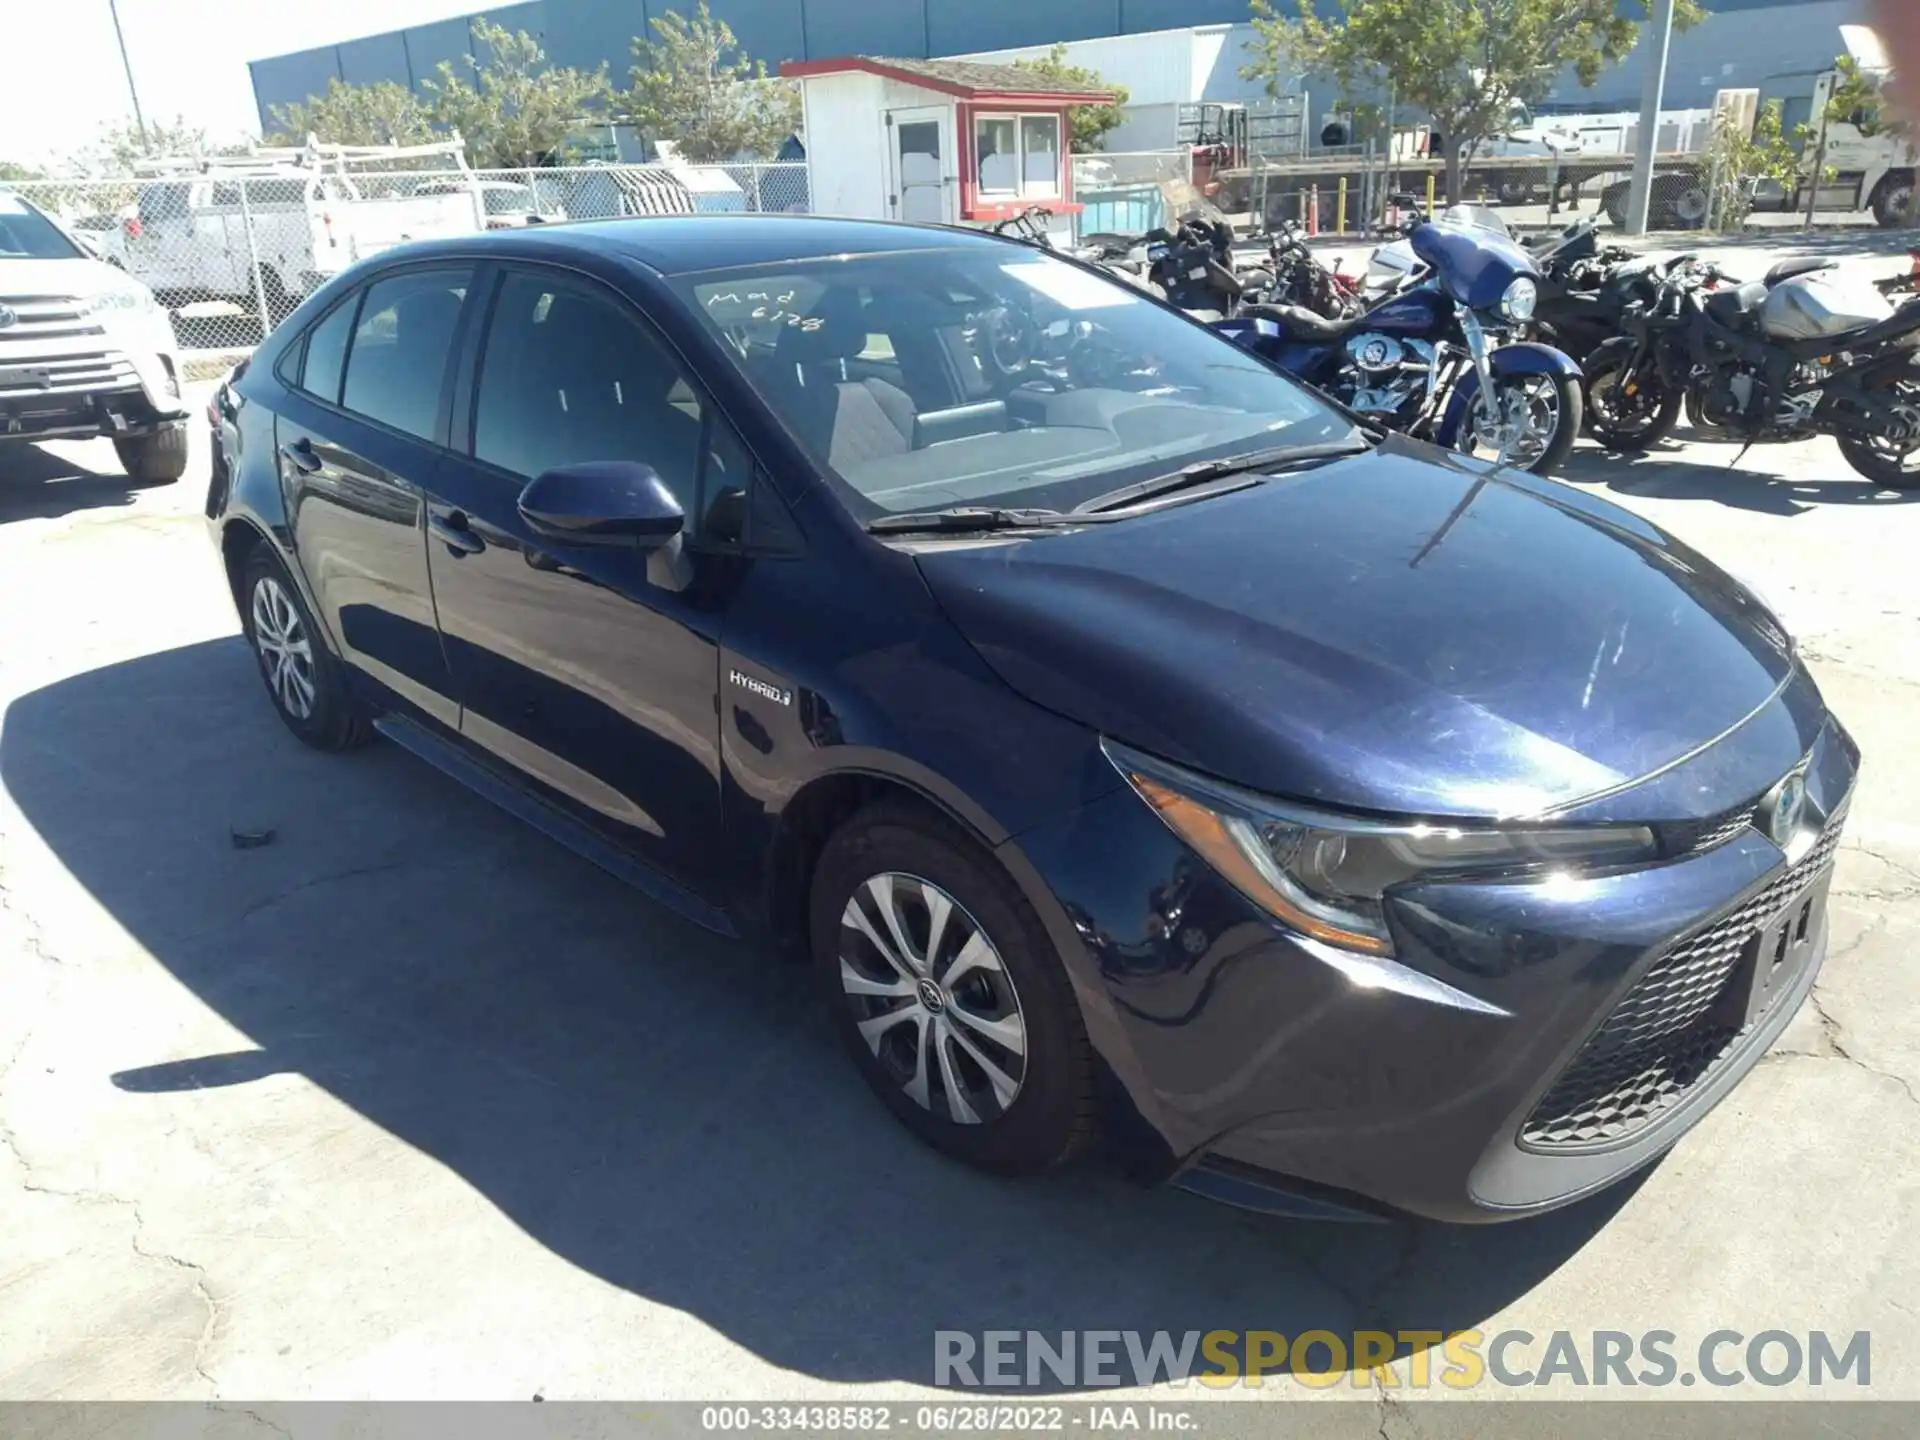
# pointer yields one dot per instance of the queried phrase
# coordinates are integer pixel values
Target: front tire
(1540, 418)
(307, 685)
(1893, 202)
(948, 993)
(1630, 423)
(159, 458)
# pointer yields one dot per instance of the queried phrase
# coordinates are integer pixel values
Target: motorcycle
(1192, 266)
(1802, 353)
(1298, 277)
(1429, 360)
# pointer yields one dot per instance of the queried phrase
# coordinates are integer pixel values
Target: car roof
(685, 244)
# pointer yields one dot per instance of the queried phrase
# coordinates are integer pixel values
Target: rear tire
(304, 680)
(973, 1041)
(159, 458)
(1634, 424)
(1885, 470)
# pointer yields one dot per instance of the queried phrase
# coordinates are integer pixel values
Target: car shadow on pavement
(1745, 486)
(36, 484)
(662, 1108)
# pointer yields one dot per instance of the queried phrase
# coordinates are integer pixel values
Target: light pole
(1640, 197)
(139, 120)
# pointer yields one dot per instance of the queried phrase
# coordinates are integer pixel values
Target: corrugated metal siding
(1751, 41)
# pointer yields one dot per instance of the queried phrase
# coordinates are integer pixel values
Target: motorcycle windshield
(1475, 265)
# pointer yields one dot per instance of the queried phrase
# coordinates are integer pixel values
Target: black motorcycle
(1296, 276)
(1586, 291)
(1763, 363)
(1192, 266)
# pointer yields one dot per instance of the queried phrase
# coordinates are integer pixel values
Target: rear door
(360, 438)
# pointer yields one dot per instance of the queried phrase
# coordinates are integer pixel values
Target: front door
(592, 671)
(358, 438)
(923, 161)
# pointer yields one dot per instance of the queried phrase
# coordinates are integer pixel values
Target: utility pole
(1652, 96)
(139, 120)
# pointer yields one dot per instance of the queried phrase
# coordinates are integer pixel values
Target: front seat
(1794, 269)
(1302, 324)
(848, 421)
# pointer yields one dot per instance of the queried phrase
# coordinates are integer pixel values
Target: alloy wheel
(932, 999)
(286, 652)
(1526, 416)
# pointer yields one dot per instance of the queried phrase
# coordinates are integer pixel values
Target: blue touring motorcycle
(1429, 359)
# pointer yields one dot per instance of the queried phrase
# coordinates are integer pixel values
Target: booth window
(1017, 154)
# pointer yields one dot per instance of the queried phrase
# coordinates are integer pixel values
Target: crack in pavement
(11, 1143)
(253, 1415)
(1835, 1037)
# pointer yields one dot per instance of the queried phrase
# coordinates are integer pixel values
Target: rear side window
(327, 353)
(401, 346)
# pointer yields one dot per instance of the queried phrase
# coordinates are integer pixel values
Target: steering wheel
(1011, 339)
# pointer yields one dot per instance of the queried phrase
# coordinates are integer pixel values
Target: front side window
(401, 347)
(570, 375)
(983, 374)
(1040, 153)
(996, 141)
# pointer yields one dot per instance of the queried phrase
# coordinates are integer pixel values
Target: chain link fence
(230, 253)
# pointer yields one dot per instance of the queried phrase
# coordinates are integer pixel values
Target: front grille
(47, 317)
(24, 379)
(1698, 837)
(1664, 1038)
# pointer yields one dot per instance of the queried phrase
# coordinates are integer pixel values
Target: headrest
(835, 329)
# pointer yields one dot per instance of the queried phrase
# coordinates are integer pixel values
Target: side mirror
(603, 502)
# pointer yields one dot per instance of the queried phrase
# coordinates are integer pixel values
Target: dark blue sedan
(1141, 748)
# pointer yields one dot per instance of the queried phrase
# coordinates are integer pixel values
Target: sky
(63, 80)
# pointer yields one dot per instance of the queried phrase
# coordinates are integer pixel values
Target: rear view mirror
(603, 502)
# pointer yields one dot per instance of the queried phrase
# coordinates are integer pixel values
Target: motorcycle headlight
(1520, 301)
(1327, 876)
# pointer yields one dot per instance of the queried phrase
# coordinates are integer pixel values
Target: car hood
(72, 277)
(1404, 632)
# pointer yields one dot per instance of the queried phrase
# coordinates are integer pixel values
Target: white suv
(84, 349)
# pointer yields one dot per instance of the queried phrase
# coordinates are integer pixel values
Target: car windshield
(26, 234)
(990, 375)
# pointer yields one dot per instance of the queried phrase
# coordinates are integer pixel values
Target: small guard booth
(942, 141)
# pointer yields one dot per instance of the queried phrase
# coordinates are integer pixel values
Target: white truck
(84, 350)
(200, 230)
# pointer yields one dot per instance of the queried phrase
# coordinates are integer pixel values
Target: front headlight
(1327, 876)
(1520, 301)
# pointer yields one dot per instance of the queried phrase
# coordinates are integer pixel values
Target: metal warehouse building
(1743, 43)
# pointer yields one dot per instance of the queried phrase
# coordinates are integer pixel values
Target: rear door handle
(300, 455)
(453, 531)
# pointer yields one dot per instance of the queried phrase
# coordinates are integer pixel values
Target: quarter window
(401, 346)
(327, 353)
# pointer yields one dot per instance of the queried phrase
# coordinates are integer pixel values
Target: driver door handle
(453, 531)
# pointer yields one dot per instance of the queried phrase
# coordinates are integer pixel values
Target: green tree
(693, 86)
(119, 147)
(512, 108)
(11, 170)
(1858, 99)
(1467, 63)
(384, 113)
(1087, 124)
(1738, 161)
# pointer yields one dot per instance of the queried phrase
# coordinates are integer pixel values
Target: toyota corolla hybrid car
(1139, 745)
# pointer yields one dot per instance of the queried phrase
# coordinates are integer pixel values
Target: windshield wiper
(966, 517)
(1281, 457)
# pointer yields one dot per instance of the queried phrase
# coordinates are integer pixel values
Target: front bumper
(64, 373)
(1250, 1069)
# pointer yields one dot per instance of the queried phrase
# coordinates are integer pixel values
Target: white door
(924, 166)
